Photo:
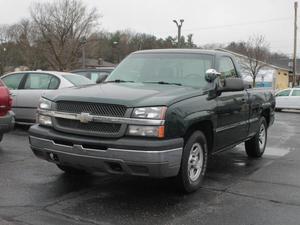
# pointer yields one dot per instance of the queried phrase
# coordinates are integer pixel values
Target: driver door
(232, 110)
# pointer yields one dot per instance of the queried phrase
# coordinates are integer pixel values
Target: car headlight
(44, 104)
(44, 120)
(150, 113)
(146, 131)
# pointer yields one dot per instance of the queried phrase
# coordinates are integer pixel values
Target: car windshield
(78, 80)
(164, 68)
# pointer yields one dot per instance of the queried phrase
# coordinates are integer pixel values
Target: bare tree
(5, 39)
(257, 52)
(61, 26)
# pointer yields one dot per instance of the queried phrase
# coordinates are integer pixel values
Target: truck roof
(175, 50)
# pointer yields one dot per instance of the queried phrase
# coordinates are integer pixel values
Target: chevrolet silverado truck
(160, 113)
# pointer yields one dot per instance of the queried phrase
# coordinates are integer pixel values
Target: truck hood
(128, 94)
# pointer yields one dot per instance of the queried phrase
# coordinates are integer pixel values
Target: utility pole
(295, 45)
(179, 30)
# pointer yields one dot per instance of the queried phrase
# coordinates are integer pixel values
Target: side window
(296, 93)
(226, 67)
(284, 93)
(13, 81)
(54, 83)
(38, 81)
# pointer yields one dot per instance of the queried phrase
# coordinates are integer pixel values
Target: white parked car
(288, 99)
(27, 87)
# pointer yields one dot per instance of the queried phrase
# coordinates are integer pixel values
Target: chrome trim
(227, 127)
(103, 119)
(128, 150)
(253, 120)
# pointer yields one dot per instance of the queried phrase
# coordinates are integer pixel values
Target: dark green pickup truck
(160, 113)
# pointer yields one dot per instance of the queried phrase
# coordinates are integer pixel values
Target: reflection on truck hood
(129, 94)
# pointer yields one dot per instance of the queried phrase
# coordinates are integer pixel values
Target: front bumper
(7, 122)
(134, 156)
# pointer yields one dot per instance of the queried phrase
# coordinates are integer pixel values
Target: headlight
(44, 104)
(150, 113)
(44, 120)
(146, 131)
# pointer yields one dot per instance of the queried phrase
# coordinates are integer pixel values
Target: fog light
(147, 131)
(44, 120)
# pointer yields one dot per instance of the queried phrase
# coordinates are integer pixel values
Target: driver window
(227, 68)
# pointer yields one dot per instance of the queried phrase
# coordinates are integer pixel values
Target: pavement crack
(264, 199)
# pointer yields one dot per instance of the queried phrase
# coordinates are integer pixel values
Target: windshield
(78, 80)
(164, 68)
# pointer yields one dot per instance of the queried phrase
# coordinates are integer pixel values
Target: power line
(241, 24)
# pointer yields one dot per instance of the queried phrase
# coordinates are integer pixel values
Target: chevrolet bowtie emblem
(85, 117)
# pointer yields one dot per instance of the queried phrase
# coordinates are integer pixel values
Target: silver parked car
(288, 99)
(27, 87)
(95, 74)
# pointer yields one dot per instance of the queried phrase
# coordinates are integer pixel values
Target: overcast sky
(210, 21)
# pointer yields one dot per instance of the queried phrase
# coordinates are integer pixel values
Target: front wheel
(255, 147)
(193, 163)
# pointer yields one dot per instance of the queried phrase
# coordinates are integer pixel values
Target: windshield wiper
(119, 81)
(163, 82)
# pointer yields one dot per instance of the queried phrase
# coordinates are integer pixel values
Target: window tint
(296, 93)
(284, 93)
(38, 81)
(13, 81)
(227, 68)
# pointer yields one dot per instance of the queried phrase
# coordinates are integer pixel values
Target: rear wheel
(71, 170)
(255, 147)
(193, 163)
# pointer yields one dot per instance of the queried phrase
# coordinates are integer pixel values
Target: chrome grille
(92, 128)
(75, 126)
(92, 108)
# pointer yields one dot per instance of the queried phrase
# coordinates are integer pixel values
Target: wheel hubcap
(195, 162)
(262, 137)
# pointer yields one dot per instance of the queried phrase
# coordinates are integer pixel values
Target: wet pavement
(237, 190)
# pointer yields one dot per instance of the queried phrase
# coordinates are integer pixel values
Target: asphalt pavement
(237, 190)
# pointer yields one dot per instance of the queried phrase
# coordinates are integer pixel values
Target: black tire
(1, 137)
(255, 147)
(71, 170)
(184, 180)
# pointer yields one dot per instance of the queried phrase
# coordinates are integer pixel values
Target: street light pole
(83, 41)
(179, 25)
(295, 45)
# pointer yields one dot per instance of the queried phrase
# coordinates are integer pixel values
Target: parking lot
(237, 190)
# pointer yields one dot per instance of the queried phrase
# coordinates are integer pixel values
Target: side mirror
(211, 75)
(232, 84)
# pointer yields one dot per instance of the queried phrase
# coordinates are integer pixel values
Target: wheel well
(206, 127)
(266, 113)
